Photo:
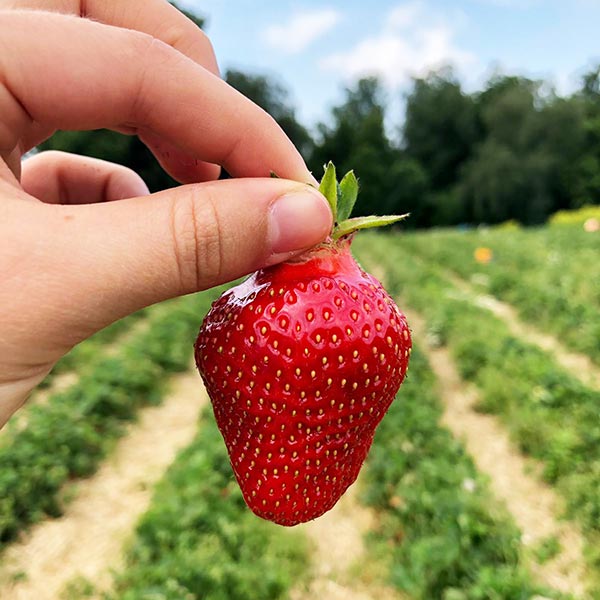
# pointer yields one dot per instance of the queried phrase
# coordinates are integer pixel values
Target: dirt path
(338, 552)
(87, 541)
(533, 504)
(579, 365)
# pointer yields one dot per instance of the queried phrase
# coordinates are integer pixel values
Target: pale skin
(82, 243)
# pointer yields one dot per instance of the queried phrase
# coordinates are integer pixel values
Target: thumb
(117, 257)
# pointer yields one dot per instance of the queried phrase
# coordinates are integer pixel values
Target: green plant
(198, 540)
(447, 537)
(68, 436)
(550, 414)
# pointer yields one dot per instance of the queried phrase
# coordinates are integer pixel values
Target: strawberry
(301, 362)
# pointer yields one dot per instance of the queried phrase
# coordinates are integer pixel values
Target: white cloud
(413, 40)
(301, 30)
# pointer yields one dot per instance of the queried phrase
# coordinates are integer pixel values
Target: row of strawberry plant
(68, 436)
(550, 414)
(199, 540)
(85, 352)
(439, 527)
(551, 275)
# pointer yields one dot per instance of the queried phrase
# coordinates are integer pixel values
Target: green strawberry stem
(342, 197)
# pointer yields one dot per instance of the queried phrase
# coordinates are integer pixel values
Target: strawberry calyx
(342, 198)
(326, 259)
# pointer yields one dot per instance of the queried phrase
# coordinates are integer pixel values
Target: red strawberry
(301, 362)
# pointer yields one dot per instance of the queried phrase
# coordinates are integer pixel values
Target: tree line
(514, 150)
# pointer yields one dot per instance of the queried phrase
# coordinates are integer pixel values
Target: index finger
(70, 73)
(157, 18)
(163, 21)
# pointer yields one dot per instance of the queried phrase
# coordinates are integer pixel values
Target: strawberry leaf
(350, 225)
(342, 198)
(348, 192)
(328, 187)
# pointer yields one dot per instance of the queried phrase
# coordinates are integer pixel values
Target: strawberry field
(440, 526)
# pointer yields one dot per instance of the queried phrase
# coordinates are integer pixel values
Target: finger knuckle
(203, 46)
(187, 37)
(154, 58)
(197, 240)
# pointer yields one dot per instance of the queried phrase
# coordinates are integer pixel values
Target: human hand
(82, 242)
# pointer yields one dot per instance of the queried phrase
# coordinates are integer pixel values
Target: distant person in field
(82, 241)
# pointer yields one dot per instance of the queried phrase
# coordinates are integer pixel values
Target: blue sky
(315, 48)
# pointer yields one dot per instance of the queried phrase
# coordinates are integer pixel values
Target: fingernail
(299, 220)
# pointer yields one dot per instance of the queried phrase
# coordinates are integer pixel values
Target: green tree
(356, 140)
(526, 162)
(561, 130)
(406, 189)
(440, 128)
(585, 184)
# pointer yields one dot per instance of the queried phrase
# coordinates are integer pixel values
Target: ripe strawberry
(301, 362)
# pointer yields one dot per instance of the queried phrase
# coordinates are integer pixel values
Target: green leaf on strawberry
(342, 198)
(347, 195)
